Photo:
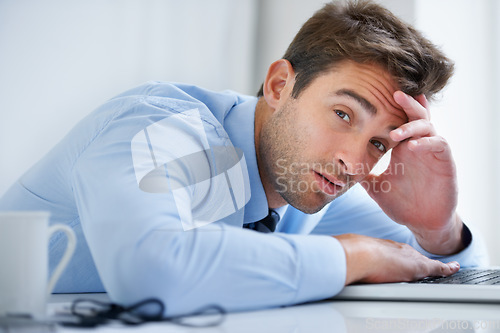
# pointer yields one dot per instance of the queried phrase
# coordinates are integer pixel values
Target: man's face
(314, 148)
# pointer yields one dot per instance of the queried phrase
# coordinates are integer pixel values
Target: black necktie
(267, 224)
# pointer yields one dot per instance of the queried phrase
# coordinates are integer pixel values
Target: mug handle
(70, 249)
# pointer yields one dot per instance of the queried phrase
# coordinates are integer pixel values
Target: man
(163, 184)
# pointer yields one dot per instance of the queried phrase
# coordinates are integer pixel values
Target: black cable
(101, 313)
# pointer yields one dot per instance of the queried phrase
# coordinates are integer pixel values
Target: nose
(352, 159)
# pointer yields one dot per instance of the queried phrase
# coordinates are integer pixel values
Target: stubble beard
(281, 143)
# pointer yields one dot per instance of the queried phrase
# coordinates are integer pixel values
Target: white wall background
(468, 113)
(59, 59)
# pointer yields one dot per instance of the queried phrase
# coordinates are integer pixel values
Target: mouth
(328, 184)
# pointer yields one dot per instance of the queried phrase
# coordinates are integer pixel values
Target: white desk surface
(328, 316)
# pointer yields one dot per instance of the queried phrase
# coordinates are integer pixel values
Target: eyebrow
(364, 103)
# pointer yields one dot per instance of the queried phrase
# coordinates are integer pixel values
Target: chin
(310, 210)
(309, 205)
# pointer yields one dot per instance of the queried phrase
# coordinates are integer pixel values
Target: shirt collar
(240, 126)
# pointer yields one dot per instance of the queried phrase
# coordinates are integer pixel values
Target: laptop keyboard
(467, 276)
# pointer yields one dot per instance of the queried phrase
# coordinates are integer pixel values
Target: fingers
(443, 269)
(434, 144)
(428, 267)
(453, 267)
(435, 268)
(423, 101)
(372, 260)
(415, 108)
(416, 128)
(419, 124)
(419, 129)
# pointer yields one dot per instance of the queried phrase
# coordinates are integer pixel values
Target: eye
(343, 115)
(379, 145)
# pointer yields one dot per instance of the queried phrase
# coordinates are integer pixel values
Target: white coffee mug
(24, 240)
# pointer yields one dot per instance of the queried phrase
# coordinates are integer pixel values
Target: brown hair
(365, 32)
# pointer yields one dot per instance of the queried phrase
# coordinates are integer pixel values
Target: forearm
(235, 268)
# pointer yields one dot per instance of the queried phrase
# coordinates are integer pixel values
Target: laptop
(467, 285)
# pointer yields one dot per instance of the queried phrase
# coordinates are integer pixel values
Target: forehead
(369, 81)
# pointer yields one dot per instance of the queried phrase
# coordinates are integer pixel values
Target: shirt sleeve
(356, 212)
(146, 241)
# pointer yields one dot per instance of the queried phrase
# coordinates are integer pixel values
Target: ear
(279, 82)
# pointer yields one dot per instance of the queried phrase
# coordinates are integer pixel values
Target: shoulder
(134, 110)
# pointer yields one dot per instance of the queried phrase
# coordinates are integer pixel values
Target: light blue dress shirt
(157, 184)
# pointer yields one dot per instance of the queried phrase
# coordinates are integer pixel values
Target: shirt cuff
(322, 270)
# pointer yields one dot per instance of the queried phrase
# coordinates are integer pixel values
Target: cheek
(327, 144)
